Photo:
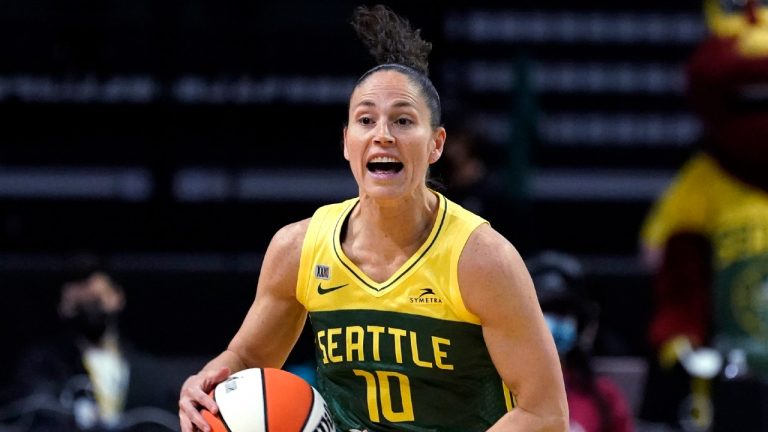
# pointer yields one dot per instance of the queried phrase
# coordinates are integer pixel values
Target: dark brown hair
(396, 46)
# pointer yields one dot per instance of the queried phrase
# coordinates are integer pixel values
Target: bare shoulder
(289, 237)
(491, 271)
(281, 261)
(488, 254)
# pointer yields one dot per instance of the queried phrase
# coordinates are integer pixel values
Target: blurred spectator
(87, 376)
(475, 177)
(596, 403)
(467, 173)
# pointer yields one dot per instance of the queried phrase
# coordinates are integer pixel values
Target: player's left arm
(497, 287)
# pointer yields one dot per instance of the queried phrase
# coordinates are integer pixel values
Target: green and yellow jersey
(733, 216)
(404, 354)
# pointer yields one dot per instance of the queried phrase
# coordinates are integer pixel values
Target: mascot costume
(707, 239)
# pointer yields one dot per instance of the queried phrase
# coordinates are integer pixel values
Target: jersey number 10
(378, 393)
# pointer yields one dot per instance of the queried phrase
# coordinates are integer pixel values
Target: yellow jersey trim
(405, 269)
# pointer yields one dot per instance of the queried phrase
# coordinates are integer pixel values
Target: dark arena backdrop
(175, 137)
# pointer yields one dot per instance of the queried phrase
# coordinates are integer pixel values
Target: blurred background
(174, 138)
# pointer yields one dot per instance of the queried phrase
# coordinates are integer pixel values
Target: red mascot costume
(707, 238)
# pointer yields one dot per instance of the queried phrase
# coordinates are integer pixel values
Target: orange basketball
(266, 399)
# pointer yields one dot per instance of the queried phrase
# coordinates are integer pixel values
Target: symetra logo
(426, 296)
(322, 291)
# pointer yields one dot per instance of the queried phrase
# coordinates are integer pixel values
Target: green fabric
(741, 310)
(453, 387)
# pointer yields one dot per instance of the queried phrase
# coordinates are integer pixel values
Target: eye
(402, 121)
(365, 121)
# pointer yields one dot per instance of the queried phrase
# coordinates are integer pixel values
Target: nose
(383, 135)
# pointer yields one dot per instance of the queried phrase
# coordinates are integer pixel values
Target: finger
(209, 383)
(193, 417)
(200, 423)
(212, 378)
(222, 374)
(206, 401)
(186, 425)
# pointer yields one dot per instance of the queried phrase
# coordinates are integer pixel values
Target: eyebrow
(366, 103)
(402, 104)
(398, 104)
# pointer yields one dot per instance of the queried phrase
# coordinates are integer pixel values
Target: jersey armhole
(455, 292)
(307, 250)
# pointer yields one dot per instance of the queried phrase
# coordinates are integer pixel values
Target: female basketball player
(425, 317)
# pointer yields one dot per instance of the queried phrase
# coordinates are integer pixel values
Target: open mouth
(384, 165)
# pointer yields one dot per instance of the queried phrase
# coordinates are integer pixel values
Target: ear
(346, 152)
(438, 140)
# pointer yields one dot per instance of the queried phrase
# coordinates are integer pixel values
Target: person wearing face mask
(86, 376)
(595, 403)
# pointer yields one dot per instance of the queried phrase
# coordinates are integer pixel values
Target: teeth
(384, 159)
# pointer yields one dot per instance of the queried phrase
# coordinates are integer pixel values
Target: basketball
(266, 399)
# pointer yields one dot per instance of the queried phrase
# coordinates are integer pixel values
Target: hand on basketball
(194, 395)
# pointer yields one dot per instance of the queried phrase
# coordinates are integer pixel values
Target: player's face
(389, 141)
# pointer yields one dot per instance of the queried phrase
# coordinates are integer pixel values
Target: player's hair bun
(390, 38)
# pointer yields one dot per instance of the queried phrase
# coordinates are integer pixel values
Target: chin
(386, 191)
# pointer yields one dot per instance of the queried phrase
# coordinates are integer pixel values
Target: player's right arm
(267, 334)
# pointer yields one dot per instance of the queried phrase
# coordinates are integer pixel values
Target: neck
(394, 225)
